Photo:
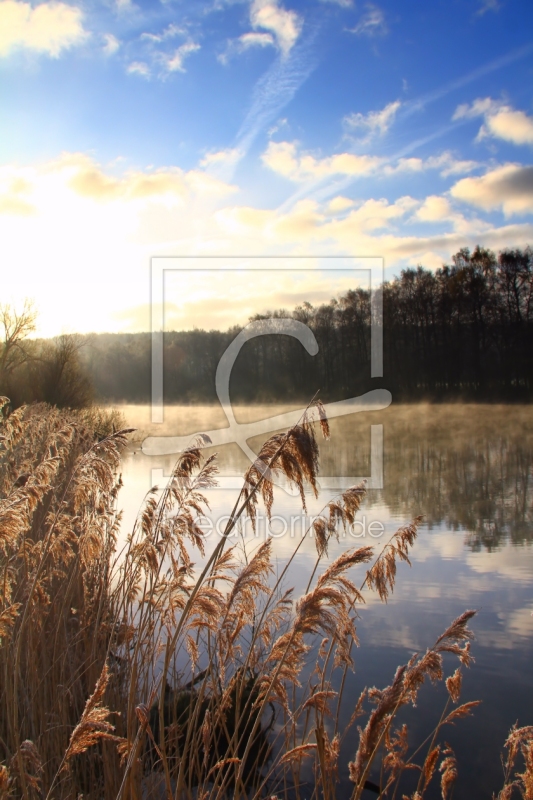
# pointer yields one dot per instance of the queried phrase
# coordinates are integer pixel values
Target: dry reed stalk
(404, 689)
(519, 743)
(193, 664)
(57, 516)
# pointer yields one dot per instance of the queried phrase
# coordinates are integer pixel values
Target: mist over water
(469, 470)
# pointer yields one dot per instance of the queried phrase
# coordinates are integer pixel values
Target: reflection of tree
(465, 467)
(470, 469)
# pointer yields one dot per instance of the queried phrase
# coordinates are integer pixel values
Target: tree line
(464, 331)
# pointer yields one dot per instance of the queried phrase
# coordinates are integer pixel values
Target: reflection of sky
(447, 575)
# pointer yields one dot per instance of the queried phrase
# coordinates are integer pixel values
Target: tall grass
(128, 673)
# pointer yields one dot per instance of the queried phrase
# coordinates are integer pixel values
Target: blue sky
(330, 127)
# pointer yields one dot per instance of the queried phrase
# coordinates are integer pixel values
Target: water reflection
(468, 469)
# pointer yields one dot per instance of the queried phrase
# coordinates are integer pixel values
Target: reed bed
(128, 673)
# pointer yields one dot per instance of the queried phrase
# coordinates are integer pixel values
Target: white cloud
(86, 178)
(284, 158)
(111, 218)
(438, 209)
(434, 209)
(285, 25)
(111, 45)
(339, 204)
(376, 214)
(508, 187)
(47, 28)
(376, 227)
(138, 68)
(372, 23)
(500, 120)
(174, 63)
(160, 58)
(375, 123)
(245, 42)
(513, 126)
(307, 221)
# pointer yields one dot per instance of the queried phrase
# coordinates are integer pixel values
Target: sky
(239, 128)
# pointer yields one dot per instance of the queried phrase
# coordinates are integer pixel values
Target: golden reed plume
(130, 672)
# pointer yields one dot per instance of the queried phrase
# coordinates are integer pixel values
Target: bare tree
(15, 326)
(61, 377)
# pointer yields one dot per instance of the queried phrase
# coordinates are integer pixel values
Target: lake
(469, 470)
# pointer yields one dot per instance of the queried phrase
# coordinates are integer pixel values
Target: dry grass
(129, 675)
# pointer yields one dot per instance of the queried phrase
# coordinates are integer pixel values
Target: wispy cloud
(170, 32)
(500, 120)
(375, 123)
(412, 106)
(48, 28)
(275, 90)
(372, 23)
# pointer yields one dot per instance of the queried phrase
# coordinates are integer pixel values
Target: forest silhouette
(464, 331)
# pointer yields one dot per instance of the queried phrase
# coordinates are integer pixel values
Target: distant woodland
(464, 331)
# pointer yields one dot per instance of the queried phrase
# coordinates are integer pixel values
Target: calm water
(469, 470)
